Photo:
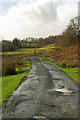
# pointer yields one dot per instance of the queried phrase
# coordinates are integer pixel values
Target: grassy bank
(74, 73)
(11, 82)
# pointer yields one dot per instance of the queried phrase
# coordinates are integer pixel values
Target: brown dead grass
(68, 55)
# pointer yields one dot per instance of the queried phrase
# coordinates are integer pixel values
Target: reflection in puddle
(60, 87)
(64, 90)
(37, 117)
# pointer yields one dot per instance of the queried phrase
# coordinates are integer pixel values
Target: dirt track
(46, 91)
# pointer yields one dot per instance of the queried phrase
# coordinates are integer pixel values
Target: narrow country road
(46, 92)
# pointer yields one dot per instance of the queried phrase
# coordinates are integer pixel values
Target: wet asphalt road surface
(46, 92)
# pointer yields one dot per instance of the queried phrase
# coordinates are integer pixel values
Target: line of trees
(67, 38)
(70, 35)
(17, 43)
(14, 45)
(45, 41)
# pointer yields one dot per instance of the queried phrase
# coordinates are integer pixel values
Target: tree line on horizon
(67, 38)
(17, 43)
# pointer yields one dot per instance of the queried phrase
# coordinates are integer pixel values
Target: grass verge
(11, 82)
(74, 73)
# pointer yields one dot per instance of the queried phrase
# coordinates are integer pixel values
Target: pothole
(40, 118)
(64, 90)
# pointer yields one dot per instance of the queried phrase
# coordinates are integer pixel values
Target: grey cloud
(44, 12)
(36, 19)
(48, 12)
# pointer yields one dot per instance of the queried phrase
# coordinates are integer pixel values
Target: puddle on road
(59, 86)
(40, 118)
(64, 90)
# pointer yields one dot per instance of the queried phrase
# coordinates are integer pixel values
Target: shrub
(9, 65)
(7, 46)
(8, 69)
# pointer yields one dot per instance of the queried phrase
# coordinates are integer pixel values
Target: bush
(7, 46)
(9, 65)
(8, 69)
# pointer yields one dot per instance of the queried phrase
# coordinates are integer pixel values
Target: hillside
(64, 57)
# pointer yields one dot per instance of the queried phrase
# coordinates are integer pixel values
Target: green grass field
(48, 48)
(28, 51)
(11, 82)
(30, 45)
(74, 73)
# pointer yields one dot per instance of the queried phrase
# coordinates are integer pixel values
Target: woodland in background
(67, 38)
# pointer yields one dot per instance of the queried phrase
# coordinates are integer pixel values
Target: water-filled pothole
(40, 118)
(65, 91)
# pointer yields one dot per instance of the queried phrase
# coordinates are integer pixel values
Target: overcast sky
(35, 18)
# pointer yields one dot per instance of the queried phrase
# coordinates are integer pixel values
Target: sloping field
(48, 48)
(67, 56)
(66, 59)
